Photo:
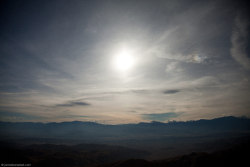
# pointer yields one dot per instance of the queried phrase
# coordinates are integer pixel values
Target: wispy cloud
(239, 42)
(173, 91)
(73, 103)
(173, 67)
(188, 41)
(182, 60)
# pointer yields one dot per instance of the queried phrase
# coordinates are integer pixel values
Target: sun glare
(124, 60)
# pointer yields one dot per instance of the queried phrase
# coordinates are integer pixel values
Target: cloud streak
(239, 41)
(173, 91)
(73, 103)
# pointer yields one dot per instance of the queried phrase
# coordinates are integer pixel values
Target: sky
(123, 61)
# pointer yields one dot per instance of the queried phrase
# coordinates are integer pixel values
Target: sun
(124, 60)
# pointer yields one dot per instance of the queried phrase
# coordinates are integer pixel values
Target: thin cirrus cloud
(172, 91)
(240, 41)
(73, 103)
(189, 54)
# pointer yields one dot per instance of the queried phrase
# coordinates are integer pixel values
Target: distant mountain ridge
(220, 119)
(85, 130)
(162, 139)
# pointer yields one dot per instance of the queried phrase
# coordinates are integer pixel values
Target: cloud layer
(192, 57)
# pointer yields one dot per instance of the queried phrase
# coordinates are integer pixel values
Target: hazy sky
(190, 59)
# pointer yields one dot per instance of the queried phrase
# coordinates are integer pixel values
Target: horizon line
(171, 121)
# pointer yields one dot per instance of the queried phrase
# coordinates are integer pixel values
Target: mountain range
(149, 141)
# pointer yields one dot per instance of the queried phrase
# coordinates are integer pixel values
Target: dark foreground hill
(65, 155)
(235, 156)
(85, 155)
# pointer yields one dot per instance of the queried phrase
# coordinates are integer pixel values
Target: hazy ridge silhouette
(89, 144)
